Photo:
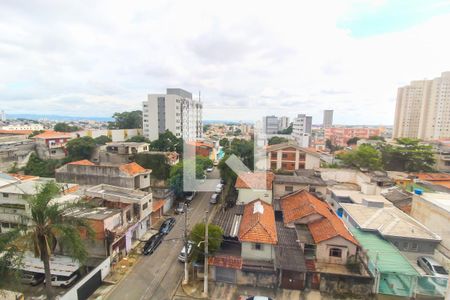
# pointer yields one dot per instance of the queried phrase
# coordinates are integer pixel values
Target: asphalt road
(157, 276)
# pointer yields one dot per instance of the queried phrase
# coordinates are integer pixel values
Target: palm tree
(49, 227)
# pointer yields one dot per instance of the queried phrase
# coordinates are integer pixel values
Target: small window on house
(5, 195)
(312, 189)
(335, 252)
(414, 247)
(288, 188)
(144, 207)
(257, 246)
(284, 155)
(145, 176)
(405, 245)
(53, 151)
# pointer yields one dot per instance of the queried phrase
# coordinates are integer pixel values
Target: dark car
(152, 243)
(167, 226)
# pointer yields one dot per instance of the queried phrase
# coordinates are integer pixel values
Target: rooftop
(255, 180)
(288, 254)
(130, 144)
(388, 221)
(258, 223)
(116, 193)
(359, 197)
(308, 179)
(96, 213)
(229, 219)
(83, 162)
(133, 169)
(52, 135)
(291, 144)
(441, 200)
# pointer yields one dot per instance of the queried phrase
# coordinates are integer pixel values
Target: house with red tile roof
(85, 172)
(290, 157)
(319, 229)
(254, 185)
(52, 144)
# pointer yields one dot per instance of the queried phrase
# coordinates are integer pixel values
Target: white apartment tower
(175, 111)
(327, 118)
(423, 109)
(283, 123)
(270, 124)
(301, 129)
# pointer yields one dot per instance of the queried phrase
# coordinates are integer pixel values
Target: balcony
(56, 145)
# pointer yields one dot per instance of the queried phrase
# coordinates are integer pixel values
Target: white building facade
(301, 130)
(327, 118)
(175, 111)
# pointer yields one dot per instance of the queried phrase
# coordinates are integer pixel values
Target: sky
(247, 58)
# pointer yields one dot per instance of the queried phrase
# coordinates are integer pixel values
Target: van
(63, 281)
(214, 199)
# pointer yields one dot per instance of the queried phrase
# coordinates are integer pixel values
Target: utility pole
(205, 283)
(186, 247)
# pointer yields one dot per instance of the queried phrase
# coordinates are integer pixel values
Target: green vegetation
(243, 149)
(64, 127)
(42, 168)
(377, 138)
(224, 142)
(286, 131)
(277, 140)
(102, 140)
(333, 148)
(177, 175)
(11, 255)
(365, 156)
(167, 141)
(353, 141)
(126, 120)
(138, 139)
(198, 237)
(156, 162)
(80, 148)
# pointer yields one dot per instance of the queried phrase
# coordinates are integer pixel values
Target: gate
(225, 275)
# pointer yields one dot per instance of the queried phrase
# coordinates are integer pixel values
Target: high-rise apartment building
(270, 125)
(283, 123)
(327, 118)
(175, 111)
(2, 116)
(301, 129)
(423, 109)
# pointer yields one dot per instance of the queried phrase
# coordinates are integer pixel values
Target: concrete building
(302, 129)
(175, 111)
(33, 127)
(15, 149)
(84, 172)
(300, 180)
(270, 125)
(423, 109)
(257, 185)
(52, 144)
(327, 118)
(2, 116)
(340, 135)
(120, 153)
(290, 157)
(283, 123)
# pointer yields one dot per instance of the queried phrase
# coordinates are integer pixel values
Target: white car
(209, 169)
(63, 281)
(182, 255)
(219, 188)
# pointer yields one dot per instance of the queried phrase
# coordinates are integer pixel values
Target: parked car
(258, 298)
(189, 196)
(32, 278)
(63, 281)
(214, 198)
(180, 208)
(167, 225)
(222, 181)
(152, 243)
(182, 255)
(433, 268)
(209, 169)
(219, 188)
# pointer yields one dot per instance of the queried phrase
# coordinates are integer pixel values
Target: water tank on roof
(418, 191)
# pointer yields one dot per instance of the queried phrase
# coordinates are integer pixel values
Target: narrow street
(157, 276)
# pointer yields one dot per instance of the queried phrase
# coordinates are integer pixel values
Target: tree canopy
(64, 127)
(156, 162)
(42, 168)
(80, 148)
(215, 238)
(167, 141)
(286, 131)
(176, 176)
(353, 141)
(224, 142)
(138, 139)
(102, 140)
(126, 120)
(365, 156)
(277, 140)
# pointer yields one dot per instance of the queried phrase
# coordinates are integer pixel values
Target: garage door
(225, 275)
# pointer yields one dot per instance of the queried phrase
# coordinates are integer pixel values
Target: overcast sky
(248, 58)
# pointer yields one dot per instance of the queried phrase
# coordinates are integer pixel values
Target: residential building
(254, 185)
(340, 135)
(439, 179)
(15, 149)
(203, 148)
(300, 180)
(327, 118)
(423, 109)
(270, 125)
(121, 153)
(441, 150)
(2, 116)
(321, 233)
(302, 129)
(116, 135)
(23, 126)
(84, 172)
(290, 157)
(283, 123)
(52, 144)
(175, 111)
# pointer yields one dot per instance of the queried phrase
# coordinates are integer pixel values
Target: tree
(42, 168)
(206, 127)
(167, 141)
(353, 141)
(81, 148)
(126, 120)
(50, 228)
(225, 171)
(224, 142)
(409, 155)
(277, 140)
(215, 237)
(138, 139)
(286, 131)
(11, 255)
(102, 140)
(64, 127)
(176, 176)
(377, 138)
(365, 156)
(244, 150)
(156, 162)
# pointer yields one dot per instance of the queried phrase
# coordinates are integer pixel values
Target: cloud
(247, 58)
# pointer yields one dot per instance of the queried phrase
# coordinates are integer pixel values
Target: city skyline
(246, 64)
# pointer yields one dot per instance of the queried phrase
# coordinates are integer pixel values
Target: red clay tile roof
(52, 135)
(301, 203)
(83, 162)
(17, 132)
(22, 177)
(231, 262)
(200, 144)
(132, 169)
(258, 223)
(433, 176)
(255, 180)
(157, 204)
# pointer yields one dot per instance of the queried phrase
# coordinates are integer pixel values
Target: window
(145, 176)
(53, 151)
(405, 245)
(312, 189)
(414, 246)
(288, 188)
(5, 195)
(284, 155)
(144, 207)
(335, 252)
(257, 246)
